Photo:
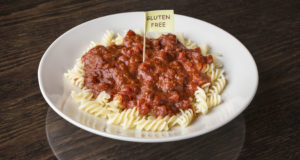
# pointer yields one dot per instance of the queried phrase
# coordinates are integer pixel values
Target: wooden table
(268, 129)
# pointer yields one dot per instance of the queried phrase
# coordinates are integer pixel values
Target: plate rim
(134, 139)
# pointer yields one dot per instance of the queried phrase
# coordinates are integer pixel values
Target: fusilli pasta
(107, 38)
(209, 68)
(91, 45)
(118, 40)
(190, 44)
(219, 85)
(180, 38)
(94, 108)
(76, 74)
(200, 104)
(185, 117)
(215, 73)
(204, 49)
(126, 118)
(213, 100)
(156, 124)
(85, 94)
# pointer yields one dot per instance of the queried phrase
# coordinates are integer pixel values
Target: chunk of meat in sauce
(162, 85)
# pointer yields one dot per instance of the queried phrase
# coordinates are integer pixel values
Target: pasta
(218, 85)
(205, 97)
(85, 95)
(186, 42)
(118, 40)
(190, 44)
(156, 124)
(201, 101)
(215, 73)
(185, 117)
(92, 45)
(180, 37)
(213, 100)
(139, 32)
(206, 87)
(126, 118)
(103, 97)
(76, 74)
(113, 106)
(209, 68)
(99, 106)
(204, 48)
(217, 62)
(107, 38)
(94, 107)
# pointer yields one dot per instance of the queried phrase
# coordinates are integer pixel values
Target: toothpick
(144, 45)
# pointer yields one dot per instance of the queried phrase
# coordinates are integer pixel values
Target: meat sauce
(161, 85)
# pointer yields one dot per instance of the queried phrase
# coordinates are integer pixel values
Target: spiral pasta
(219, 85)
(114, 106)
(99, 106)
(185, 117)
(94, 108)
(85, 94)
(180, 38)
(217, 62)
(76, 74)
(126, 118)
(186, 42)
(139, 32)
(206, 87)
(209, 68)
(103, 97)
(91, 45)
(156, 124)
(215, 73)
(107, 38)
(213, 100)
(118, 40)
(200, 105)
(190, 44)
(204, 49)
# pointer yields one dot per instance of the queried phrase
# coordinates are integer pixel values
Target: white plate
(240, 68)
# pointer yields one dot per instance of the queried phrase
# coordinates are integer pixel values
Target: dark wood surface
(269, 126)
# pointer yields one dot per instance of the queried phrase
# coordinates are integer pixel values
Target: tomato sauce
(161, 85)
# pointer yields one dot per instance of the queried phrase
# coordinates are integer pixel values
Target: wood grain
(269, 29)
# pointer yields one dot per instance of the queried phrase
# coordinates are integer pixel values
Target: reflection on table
(70, 142)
